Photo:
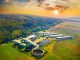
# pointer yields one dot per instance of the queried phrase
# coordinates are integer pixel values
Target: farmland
(68, 48)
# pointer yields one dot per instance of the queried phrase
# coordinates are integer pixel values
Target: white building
(63, 38)
(54, 36)
(32, 37)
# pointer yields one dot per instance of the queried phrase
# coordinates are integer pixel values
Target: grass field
(9, 53)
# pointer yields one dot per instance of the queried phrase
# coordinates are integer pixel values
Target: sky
(24, 7)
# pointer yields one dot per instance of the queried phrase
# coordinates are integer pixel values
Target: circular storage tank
(37, 53)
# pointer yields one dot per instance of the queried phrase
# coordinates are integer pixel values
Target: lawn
(9, 53)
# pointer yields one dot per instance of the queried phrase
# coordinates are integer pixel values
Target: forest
(16, 26)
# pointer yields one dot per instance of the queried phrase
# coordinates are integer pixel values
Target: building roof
(31, 36)
(17, 41)
(30, 41)
(63, 37)
(54, 35)
(23, 44)
(44, 42)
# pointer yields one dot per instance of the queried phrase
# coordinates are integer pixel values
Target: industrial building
(64, 38)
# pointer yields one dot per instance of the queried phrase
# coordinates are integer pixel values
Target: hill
(15, 26)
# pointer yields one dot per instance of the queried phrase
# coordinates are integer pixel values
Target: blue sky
(21, 0)
(2, 2)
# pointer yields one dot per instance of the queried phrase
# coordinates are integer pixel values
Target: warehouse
(54, 36)
(63, 38)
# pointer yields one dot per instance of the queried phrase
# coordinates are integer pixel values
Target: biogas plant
(35, 42)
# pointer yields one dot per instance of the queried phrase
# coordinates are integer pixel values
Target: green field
(68, 49)
(9, 53)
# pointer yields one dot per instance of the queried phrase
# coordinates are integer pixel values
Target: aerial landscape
(39, 29)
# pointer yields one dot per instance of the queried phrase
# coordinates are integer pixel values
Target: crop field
(68, 49)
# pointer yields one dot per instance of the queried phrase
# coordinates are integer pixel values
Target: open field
(68, 49)
(69, 28)
(9, 53)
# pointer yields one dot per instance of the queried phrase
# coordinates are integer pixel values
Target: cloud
(12, 2)
(7, 1)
